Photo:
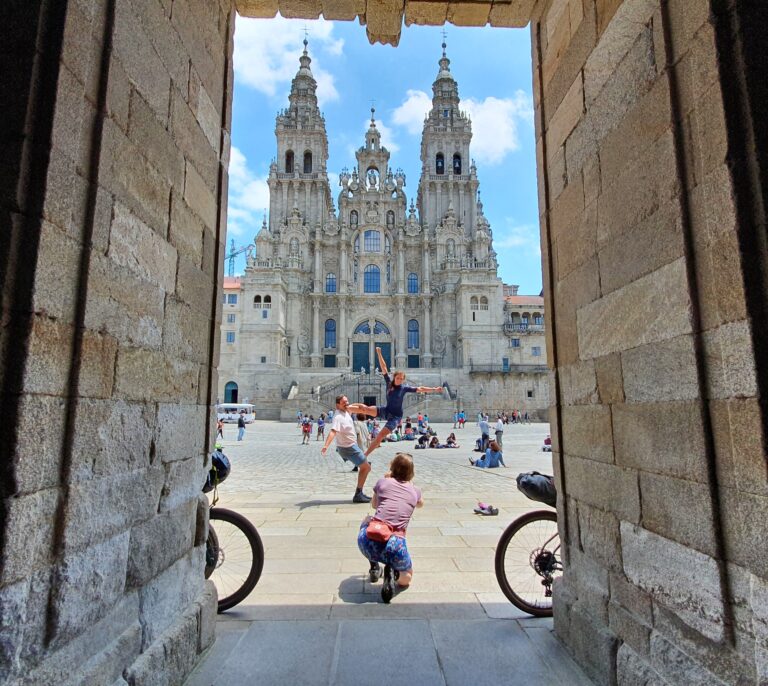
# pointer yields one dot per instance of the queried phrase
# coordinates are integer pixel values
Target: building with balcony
(328, 284)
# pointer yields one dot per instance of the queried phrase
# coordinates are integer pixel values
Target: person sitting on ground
(395, 498)
(409, 435)
(493, 458)
(422, 441)
(434, 442)
(451, 442)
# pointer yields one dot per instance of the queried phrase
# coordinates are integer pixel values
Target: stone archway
(652, 158)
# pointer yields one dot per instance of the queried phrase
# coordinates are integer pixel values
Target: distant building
(322, 290)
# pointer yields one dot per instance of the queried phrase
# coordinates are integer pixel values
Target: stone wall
(659, 432)
(115, 125)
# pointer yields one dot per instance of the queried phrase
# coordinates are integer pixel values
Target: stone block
(592, 179)
(118, 94)
(201, 523)
(102, 508)
(260, 9)
(617, 37)
(48, 357)
(28, 530)
(170, 659)
(468, 14)
(579, 245)
(587, 432)
(730, 360)
(676, 666)
(599, 538)
(568, 208)
(192, 141)
(186, 332)
(744, 540)
(604, 486)
(199, 196)
(69, 114)
(346, 10)
(209, 118)
(642, 249)
(630, 597)
(58, 263)
(180, 432)
(662, 438)
(425, 13)
(178, 586)
(36, 462)
(661, 371)
(185, 231)
(140, 60)
(593, 645)
(579, 383)
(610, 380)
(148, 130)
(208, 610)
(97, 360)
(13, 616)
(709, 136)
(631, 316)
(133, 179)
(87, 585)
(515, 14)
(195, 287)
(183, 481)
(300, 9)
(629, 628)
(111, 437)
(580, 287)
(119, 303)
(146, 375)
(558, 178)
(631, 669)
(567, 115)
(677, 576)
(679, 510)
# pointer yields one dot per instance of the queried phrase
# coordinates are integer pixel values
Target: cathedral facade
(327, 284)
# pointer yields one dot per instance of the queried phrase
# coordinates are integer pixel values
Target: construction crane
(233, 253)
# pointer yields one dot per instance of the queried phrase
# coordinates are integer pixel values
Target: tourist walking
(343, 430)
(320, 426)
(395, 498)
(392, 412)
(499, 429)
(220, 429)
(240, 426)
(306, 430)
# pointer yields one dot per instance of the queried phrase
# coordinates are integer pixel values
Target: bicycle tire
(521, 561)
(241, 541)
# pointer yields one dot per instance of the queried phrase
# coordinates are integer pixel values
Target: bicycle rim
(239, 556)
(519, 546)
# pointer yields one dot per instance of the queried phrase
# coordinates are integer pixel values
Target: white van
(229, 412)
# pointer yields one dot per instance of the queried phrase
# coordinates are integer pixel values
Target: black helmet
(220, 467)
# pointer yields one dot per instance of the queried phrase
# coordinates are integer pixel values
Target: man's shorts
(392, 420)
(352, 454)
(394, 552)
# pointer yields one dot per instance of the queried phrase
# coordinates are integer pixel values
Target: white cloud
(267, 54)
(410, 115)
(519, 237)
(495, 125)
(248, 198)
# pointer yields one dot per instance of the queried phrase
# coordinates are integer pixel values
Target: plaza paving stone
(315, 618)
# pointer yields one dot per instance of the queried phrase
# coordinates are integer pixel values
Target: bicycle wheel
(234, 556)
(528, 560)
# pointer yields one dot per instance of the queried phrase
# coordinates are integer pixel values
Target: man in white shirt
(343, 429)
(485, 432)
(499, 428)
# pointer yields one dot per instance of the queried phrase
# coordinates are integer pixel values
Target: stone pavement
(314, 618)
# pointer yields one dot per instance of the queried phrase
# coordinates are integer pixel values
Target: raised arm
(382, 364)
(429, 389)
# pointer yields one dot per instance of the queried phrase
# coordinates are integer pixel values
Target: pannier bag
(220, 467)
(538, 487)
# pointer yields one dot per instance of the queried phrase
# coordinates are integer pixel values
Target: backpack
(538, 487)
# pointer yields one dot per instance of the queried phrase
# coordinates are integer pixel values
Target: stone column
(318, 266)
(425, 275)
(343, 269)
(342, 344)
(402, 334)
(426, 342)
(315, 330)
(400, 263)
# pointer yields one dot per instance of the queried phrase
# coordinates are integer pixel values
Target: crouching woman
(395, 498)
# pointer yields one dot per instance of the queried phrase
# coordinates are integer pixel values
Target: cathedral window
(256, 302)
(267, 302)
(380, 328)
(330, 333)
(538, 320)
(439, 164)
(524, 318)
(289, 162)
(390, 219)
(307, 162)
(330, 282)
(294, 247)
(445, 114)
(372, 241)
(372, 279)
(474, 303)
(353, 218)
(483, 303)
(413, 334)
(457, 164)
(413, 283)
(363, 328)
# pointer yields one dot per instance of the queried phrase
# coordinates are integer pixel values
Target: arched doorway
(230, 392)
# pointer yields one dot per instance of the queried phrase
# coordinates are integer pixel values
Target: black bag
(538, 487)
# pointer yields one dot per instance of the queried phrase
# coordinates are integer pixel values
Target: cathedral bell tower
(448, 179)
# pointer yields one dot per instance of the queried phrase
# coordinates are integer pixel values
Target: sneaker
(387, 590)
(471, 461)
(374, 573)
(361, 498)
(355, 468)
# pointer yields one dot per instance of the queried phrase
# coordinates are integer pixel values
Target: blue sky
(493, 71)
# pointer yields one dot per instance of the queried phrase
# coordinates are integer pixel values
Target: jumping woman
(392, 412)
